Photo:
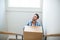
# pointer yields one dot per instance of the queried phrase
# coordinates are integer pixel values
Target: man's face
(34, 18)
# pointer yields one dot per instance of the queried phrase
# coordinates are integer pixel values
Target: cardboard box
(33, 33)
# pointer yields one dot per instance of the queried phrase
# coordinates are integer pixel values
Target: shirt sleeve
(38, 24)
(28, 24)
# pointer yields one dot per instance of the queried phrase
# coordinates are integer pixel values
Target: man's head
(35, 17)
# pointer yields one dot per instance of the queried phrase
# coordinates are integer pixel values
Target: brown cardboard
(32, 35)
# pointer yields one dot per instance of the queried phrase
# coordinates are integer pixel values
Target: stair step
(14, 39)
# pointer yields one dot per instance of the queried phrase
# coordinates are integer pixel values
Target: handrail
(52, 35)
(10, 33)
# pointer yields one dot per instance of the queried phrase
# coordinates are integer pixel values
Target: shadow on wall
(3, 37)
(54, 38)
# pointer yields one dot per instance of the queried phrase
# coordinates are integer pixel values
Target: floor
(14, 39)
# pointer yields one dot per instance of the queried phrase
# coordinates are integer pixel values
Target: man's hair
(37, 16)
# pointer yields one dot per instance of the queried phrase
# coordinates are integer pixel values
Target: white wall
(2, 14)
(51, 17)
(18, 17)
(2, 18)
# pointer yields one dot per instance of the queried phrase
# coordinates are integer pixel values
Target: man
(34, 21)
